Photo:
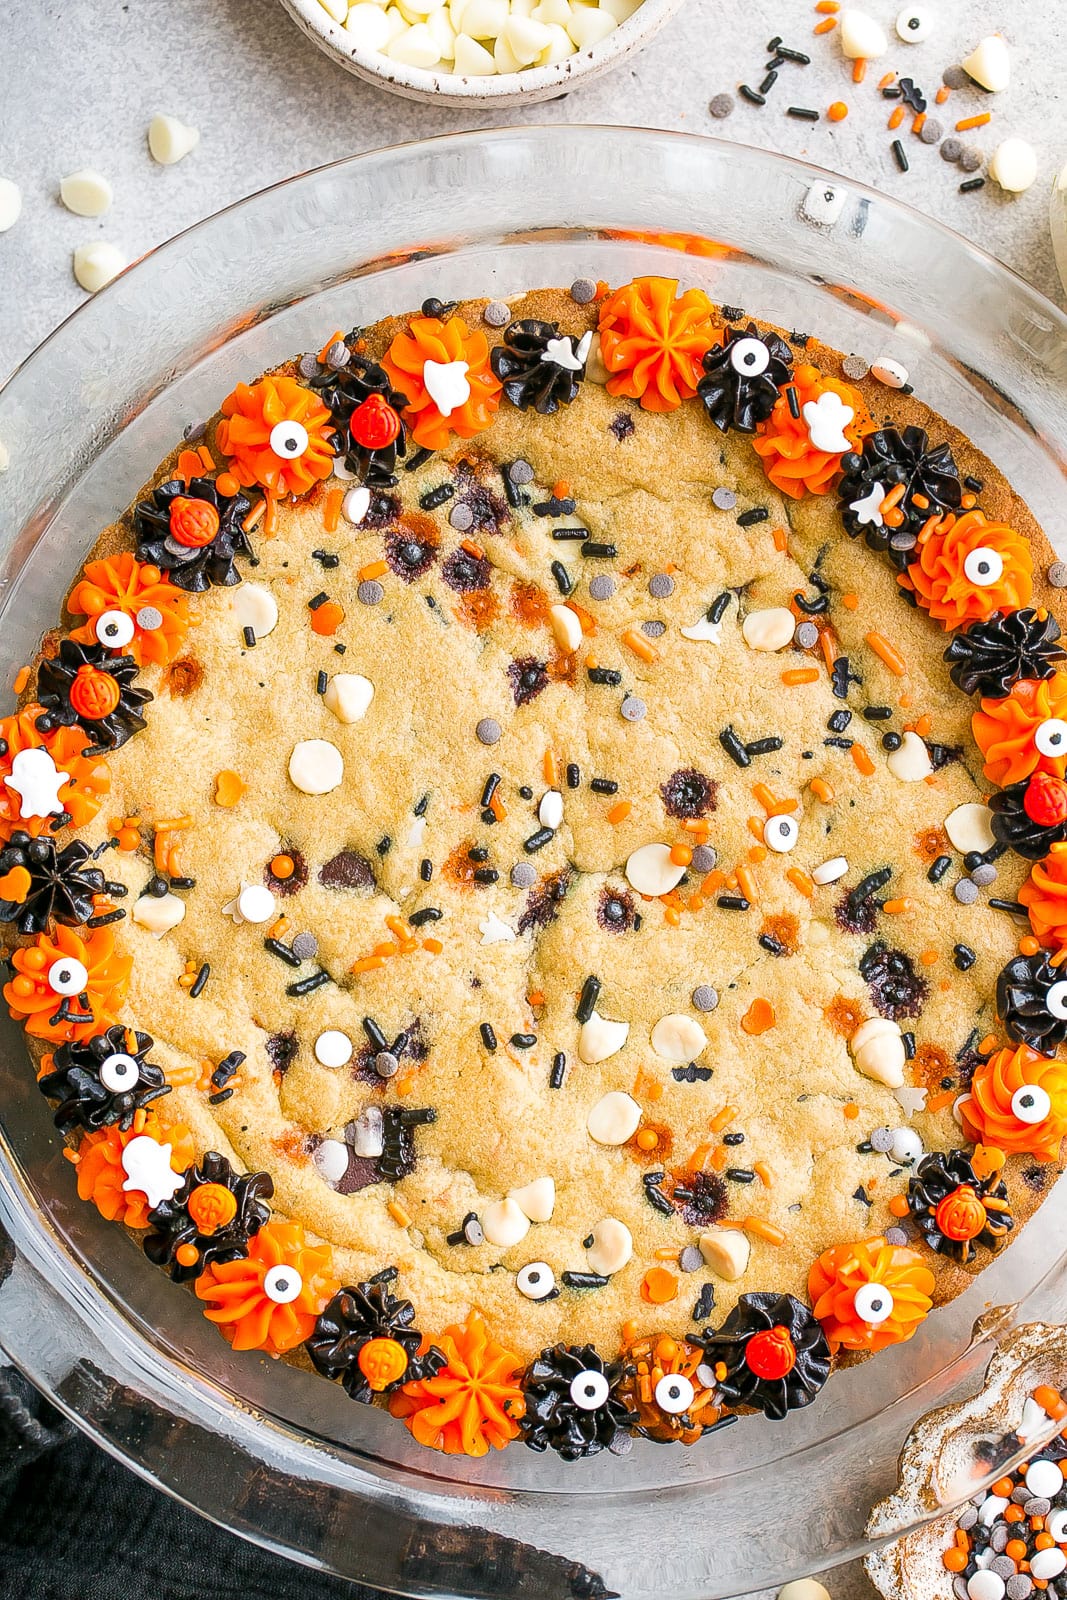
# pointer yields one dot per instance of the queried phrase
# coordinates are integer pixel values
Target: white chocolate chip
(830, 871)
(158, 913)
(495, 931)
(10, 204)
(650, 870)
(678, 1037)
(804, 1589)
(86, 193)
(611, 1248)
(473, 60)
(333, 1048)
(367, 1132)
(911, 762)
(536, 1200)
(878, 1051)
(595, 370)
(96, 264)
(600, 1038)
(862, 39)
(614, 1118)
(348, 694)
(316, 766)
(170, 140)
(255, 607)
(969, 828)
(989, 64)
(1014, 165)
(330, 1160)
(367, 27)
(550, 811)
(504, 1223)
(726, 1251)
(566, 627)
(255, 903)
(889, 372)
(356, 502)
(769, 630)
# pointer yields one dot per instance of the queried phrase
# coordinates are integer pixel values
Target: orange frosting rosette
(939, 576)
(653, 341)
(101, 1174)
(844, 1285)
(122, 583)
(1000, 1111)
(1004, 730)
(249, 417)
(252, 1300)
(1044, 894)
(430, 339)
(89, 777)
(474, 1401)
(791, 461)
(33, 1002)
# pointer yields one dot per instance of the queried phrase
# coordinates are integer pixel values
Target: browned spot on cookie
(529, 604)
(931, 843)
(784, 927)
(479, 609)
(459, 866)
(184, 676)
(292, 1144)
(844, 1016)
(930, 1065)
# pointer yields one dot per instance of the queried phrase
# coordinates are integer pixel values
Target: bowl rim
(313, 16)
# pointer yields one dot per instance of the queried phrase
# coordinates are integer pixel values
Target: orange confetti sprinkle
(759, 1017)
(229, 788)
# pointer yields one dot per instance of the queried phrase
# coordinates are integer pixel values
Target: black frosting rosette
(771, 1354)
(87, 685)
(104, 1081)
(1032, 1001)
(539, 367)
(210, 1218)
(892, 456)
(957, 1211)
(1014, 824)
(61, 884)
(987, 657)
(362, 383)
(741, 380)
(573, 1403)
(352, 1321)
(195, 567)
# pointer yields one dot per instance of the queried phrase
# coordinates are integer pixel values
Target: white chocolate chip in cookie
(969, 827)
(650, 870)
(878, 1051)
(726, 1251)
(611, 1248)
(536, 1200)
(601, 1038)
(316, 766)
(614, 1118)
(330, 1160)
(348, 694)
(911, 763)
(771, 629)
(566, 627)
(678, 1037)
(255, 903)
(158, 913)
(504, 1223)
(256, 608)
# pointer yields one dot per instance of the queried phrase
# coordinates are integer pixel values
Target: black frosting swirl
(741, 400)
(61, 885)
(343, 392)
(554, 1420)
(354, 1317)
(936, 1177)
(172, 1226)
(1012, 825)
(193, 569)
(892, 456)
(988, 657)
(1023, 1001)
(56, 676)
(84, 1101)
(757, 1313)
(529, 379)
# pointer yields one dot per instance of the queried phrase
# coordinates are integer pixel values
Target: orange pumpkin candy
(870, 1294)
(1018, 1103)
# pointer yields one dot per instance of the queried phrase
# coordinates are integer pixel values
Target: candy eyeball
(282, 1285)
(288, 440)
(781, 833)
(114, 629)
(535, 1280)
(119, 1072)
(983, 567)
(1030, 1103)
(873, 1303)
(914, 24)
(1056, 1000)
(1051, 737)
(749, 357)
(68, 976)
(674, 1393)
(589, 1390)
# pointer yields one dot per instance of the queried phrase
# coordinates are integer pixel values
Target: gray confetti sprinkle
(148, 618)
(1020, 1493)
(602, 587)
(661, 586)
(704, 858)
(654, 629)
(690, 1259)
(998, 1538)
(461, 517)
(1019, 1587)
(370, 592)
(308, 366)
(705, 998)
(897, 1236)
(720, 105)
(473, 1231)
(583, 290)
(806, 635)
(855, 367)
(984, 875)
(931, 131)
(725, 499)
(1057, 574)
(951, 149)
(621, 1444)
(337, 356)
(305, 946)
(488, 731)
(954, 77)
(881, 1140)
(1003, 1566)
(633, 708)
(967, 1518)
(523, 875)
(959, 1587)
(966, 892)
(386, 1064)
(521, 472)
(1039, 1506)
(971, 159)
(194, 430)
(497, 313)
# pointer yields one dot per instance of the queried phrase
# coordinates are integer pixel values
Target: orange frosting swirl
(32, 1001)
(249, 416)
(237, 1291)
(845, 1268)
(101, 1174)
(939, 579)
(475, 1400)
(1004, 730)
(792, 463)
(1044, 894)
(89, 778)
(653, 341)
(430, 339)
(122, 583)
(988, 1116)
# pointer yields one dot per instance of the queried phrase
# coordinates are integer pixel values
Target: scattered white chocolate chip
(726, 1251)
(330, 1160)
(504, 1223)
(826, 419)
(255, 607)
(804, 1589)
(911, 762)
(650, 870)
(595, 370)
(878, 1051)
(678, 1037)
(158, 913)
(446, 382)
(536, 1200)
(611, 1248)
(348, 694)
(889, 372)
(550, 811)
(989, 64)
(316, 766)
(96, 264)
(830, 871)
(255, 903)
(10, 204)
(367, 1132)
(704, 630)
(170, 140)
(356, 502)
(1014, 165)
(614, 1118)
(37, 781)
(146, 1164)
(86, 193)
(495, 931)
(600, 1038)
(333, 1048)
(862, 39)
(566, 627)
(969, 827)
(771, 629)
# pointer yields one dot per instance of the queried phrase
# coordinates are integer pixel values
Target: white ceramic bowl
(503, 89)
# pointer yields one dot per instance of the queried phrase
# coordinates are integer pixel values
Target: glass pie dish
(265, 1448)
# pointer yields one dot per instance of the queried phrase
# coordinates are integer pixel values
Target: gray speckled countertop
(82, 78)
